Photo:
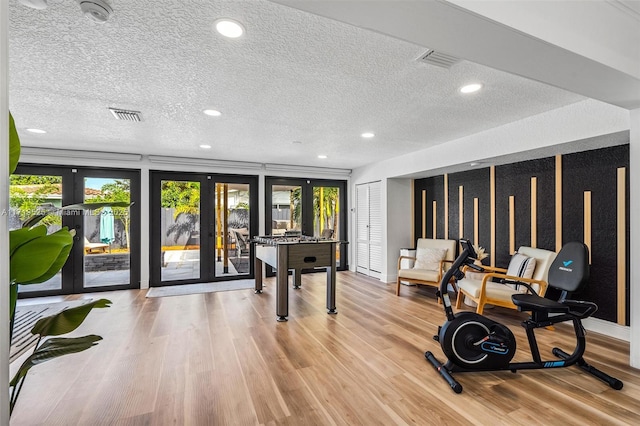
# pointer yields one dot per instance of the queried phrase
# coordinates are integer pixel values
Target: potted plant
(35, 257)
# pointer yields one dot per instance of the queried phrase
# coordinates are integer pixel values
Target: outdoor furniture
(90, 247)
(241, 237)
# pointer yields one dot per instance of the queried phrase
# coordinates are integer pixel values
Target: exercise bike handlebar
(466, 257)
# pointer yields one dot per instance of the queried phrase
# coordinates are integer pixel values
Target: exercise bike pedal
(437, 336)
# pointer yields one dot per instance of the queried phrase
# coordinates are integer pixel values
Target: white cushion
(495, 291)
(419, 274)
(429, 258)
(521, 266)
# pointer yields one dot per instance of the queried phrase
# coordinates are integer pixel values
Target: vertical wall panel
(460, 211)
(558, 196)
(587, 221)
(515, 179)
(597, 172)
(512, 224)
(492, 215)
(476, 236)
(435, 219)
(621, 246)
(446, 206)
(424, 213)
(477, 185)
(534, 212)
(433, 187)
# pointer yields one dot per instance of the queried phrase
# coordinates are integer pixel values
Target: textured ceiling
(294, 76)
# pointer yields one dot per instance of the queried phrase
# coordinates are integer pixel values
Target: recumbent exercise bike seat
(568, 272)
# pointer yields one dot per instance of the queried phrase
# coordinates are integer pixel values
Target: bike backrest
(570, 270)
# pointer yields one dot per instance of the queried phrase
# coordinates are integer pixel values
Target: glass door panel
(286, 209)
(26, 193)
(232, 228)
(107, 233)
(180, 230)
(326, 214)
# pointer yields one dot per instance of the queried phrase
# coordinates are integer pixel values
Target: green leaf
(31, 261)
(21, 236)
(14, 145)
(56, 266)
(54, 348)
(67, 320)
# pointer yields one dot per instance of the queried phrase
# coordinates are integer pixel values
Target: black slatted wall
(594, 171)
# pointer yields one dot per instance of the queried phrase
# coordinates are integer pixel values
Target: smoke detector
(97, 10)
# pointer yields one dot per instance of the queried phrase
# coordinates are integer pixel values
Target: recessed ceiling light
(470, 88)
(36, 131)
(212, 112)
(367, 135)
(322, 156)
(229, 28)
(205, 146)
(475, 163)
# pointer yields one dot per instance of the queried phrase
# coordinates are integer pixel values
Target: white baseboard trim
(608, 328)
(390, 278)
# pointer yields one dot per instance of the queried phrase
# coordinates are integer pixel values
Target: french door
(310, 207)
(106, 253)
(201, 227)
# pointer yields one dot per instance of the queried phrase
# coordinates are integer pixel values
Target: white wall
(4, 206)
(399, 219)
(634, 184)
(584, 27)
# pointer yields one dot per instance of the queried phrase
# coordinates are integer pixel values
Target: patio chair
(90, 247)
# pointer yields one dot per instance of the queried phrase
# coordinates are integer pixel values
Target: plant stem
(15, 393)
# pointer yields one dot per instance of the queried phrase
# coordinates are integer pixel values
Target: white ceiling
(294, 76)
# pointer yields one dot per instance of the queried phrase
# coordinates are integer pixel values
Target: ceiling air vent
(123, 114)
(438, 59)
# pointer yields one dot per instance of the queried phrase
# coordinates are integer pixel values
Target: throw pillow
(521, 266)
(429, 258)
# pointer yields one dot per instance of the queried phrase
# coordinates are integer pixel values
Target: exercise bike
(473, 342)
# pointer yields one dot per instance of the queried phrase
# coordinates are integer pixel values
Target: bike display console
(285, 253)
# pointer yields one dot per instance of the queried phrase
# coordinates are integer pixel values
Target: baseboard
(608, 328)
(389, 278)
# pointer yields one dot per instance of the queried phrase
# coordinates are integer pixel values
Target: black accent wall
(594, 170)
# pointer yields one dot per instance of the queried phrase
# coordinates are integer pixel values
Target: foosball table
(285, 253)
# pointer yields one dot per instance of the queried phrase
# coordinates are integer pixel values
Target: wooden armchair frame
(487, 286)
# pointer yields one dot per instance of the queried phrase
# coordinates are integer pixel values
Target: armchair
(483, 290)
(441, 254)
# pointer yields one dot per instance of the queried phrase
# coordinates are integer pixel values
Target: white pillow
(521, 266)
(429, 258)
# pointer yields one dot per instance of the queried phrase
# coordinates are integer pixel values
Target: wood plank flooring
(222, 359)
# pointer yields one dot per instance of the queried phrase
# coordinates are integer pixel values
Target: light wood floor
(222, 359)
